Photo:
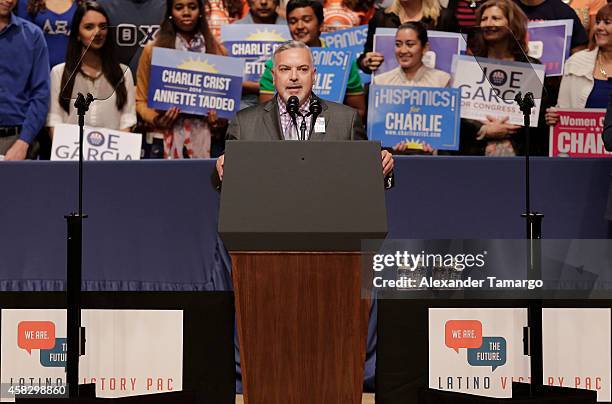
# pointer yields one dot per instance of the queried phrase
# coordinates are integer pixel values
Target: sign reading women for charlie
(414, 114)
(98, 144)
(332, 73)
(578, 134)
(254, 43)
(195, 82)
(488, 87)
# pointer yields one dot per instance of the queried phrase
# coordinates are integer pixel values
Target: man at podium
(290, 114)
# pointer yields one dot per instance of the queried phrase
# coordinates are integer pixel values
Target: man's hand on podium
(387, 162)
(219, 164)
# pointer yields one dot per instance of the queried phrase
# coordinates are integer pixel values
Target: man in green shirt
(305, 18)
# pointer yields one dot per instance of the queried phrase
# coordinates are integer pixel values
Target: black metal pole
(534, 259)
(74, 266)
(73, 317)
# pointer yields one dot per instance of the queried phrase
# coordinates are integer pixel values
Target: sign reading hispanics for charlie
(195, 82)
(488, 87)
(332, 73)
(254, 43)
(414, 114)
(350, 39)
(98, 144)
(578, 134)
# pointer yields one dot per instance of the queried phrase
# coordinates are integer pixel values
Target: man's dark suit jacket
(262, 122)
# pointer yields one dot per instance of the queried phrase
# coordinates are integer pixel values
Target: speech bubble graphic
(463, 334)
(491, 353)
(35, 335)
(55, 357)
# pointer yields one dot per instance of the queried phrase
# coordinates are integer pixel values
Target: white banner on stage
(477, 351)
(480, 350)
(577, 349)
(128, 352)
(98, 144)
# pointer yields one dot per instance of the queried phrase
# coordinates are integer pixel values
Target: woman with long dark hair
(91, 67)
(185, 28)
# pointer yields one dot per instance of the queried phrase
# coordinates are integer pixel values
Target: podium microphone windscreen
(315, 107)
(293, 105)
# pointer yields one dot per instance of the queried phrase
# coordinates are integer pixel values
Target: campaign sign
(488, 87)
(548, 43)
(351, 39)
(98, 144)
(195, 82)
(442, 47)
(578, 134)
(254, 43)
(332, 73)
(414, 115)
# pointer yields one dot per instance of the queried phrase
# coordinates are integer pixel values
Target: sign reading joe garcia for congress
(195, 82)
(488, 87)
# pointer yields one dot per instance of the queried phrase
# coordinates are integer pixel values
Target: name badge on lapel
(320, 125)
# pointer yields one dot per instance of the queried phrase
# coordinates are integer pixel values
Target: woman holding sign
(92, 67)
(502, 36)
(586, 79)
(411, 44)
(183, 136)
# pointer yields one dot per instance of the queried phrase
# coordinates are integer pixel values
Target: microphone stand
(532, 334)
(75, 333)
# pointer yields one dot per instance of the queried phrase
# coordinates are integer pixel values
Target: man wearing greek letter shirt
(294, 75)
(24, 83)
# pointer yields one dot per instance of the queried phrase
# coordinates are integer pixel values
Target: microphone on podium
(293, 108)
(315, 111)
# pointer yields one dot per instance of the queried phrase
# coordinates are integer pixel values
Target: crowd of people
(53, 49)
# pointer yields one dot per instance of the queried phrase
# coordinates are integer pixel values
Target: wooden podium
(294, 225)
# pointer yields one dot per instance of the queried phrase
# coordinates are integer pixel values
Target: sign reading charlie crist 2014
(195, 82)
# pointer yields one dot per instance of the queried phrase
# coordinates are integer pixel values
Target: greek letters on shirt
(57, 27)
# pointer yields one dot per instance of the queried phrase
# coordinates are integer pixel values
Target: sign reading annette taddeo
(488, 87)
(195, 82)
(414, 114)
(254, 43)
(578, 134)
